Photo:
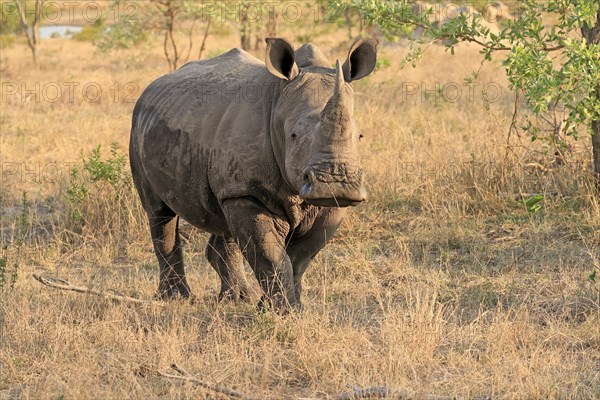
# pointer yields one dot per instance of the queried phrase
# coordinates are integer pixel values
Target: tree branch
(206, 33)
(382, 392)
(65, 285)
(374, 392)
(166, 50)
(467, 38)
(190, 40)
(36, 21)
(30, 32)
(378, 392)
(185, 376)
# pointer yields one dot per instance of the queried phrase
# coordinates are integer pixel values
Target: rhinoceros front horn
(336, 114)
(339, 80)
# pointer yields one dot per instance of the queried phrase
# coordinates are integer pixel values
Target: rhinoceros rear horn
(361, 60)
(281, 59)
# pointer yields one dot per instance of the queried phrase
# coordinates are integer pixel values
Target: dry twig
(58, 283)
(185, 376)
(375, 392)
(382, 392)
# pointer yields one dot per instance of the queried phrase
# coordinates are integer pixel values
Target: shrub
(91, 33)
(102, 205)
(123, 35)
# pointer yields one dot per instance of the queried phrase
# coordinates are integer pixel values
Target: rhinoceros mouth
(312, 195)
(334, 202)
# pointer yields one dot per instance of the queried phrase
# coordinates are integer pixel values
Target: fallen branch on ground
(382, 392)
(375, 392)
(185, 376)
(58, 283)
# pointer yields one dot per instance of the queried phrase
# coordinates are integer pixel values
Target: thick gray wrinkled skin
(263, 157)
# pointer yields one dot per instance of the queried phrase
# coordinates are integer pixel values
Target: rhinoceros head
(314, 132)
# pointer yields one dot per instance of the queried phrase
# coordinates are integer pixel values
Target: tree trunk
(245, 34)
(596, 145)
(592, 36)
(203, 45)
(272, 25)
(33, 55)
(31, 32)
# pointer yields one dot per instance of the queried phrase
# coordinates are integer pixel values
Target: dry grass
(442, 283)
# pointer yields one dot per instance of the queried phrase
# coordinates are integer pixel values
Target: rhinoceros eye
(293, 136)
(361, 136)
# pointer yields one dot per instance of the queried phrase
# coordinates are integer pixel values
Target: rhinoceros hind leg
(225, 257)
(164, 227)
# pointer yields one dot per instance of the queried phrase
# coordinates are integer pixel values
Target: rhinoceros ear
(281, 59)
(361, 59)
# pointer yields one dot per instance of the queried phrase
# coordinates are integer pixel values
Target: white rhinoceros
(263, 157)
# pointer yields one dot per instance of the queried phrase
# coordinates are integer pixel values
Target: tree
(173, 14)
(555, 68)
(591, 34)
(30, 26)
(127, 31)
(169, 17)
(255, 21)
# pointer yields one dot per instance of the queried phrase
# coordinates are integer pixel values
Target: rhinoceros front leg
(225, 257)
(261, 237)
(302, 250)
(164, 227)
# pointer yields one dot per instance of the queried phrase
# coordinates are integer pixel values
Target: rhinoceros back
(191, 127)
(197, 95)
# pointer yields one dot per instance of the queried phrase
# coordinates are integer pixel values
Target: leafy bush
(9, 20)
(123, 35)
(534, 203)
(556, 68)
(101, 201)
(93, 174)
(91, 33)
(382, 63)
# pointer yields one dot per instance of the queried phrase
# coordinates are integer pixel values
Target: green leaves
(111, 170)
(96, 177)
(122, 35)
(533, 203)
(553, 66)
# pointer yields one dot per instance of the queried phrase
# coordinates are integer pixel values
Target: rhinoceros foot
(280, 305)
(174, 290)
(235, 295)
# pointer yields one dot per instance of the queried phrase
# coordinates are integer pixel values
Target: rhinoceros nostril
(309, 175)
